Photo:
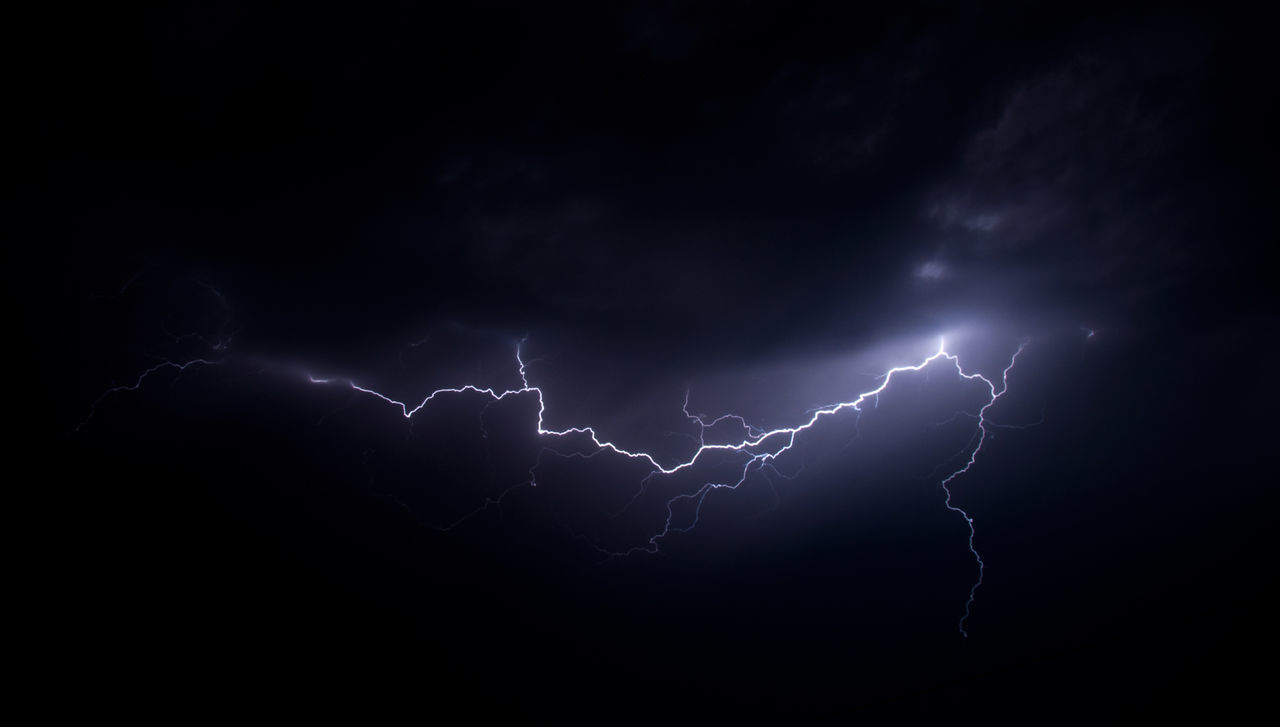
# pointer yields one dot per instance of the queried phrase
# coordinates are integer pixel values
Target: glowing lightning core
(761, 447)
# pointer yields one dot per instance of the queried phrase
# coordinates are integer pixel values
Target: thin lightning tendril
(973, 456)
(180, 366)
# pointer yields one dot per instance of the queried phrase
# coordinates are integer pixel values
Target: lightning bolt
(220, 343)
(761, 447)
(180, 366)
(973, 457)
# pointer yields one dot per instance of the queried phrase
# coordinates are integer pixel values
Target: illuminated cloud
(931, 270)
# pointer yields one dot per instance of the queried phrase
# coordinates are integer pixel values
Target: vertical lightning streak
(973, 456)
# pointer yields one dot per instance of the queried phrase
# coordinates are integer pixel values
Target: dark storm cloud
(1078, 184)
(834, 178)
(763, 204)
(741, 185)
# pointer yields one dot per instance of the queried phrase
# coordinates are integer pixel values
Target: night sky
(762, 205)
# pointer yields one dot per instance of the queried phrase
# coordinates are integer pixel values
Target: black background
(658, 195)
